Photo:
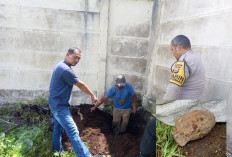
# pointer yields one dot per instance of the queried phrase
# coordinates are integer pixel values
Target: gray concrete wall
(35, 36)
(129, 30)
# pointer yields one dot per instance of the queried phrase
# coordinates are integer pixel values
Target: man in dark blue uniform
(63, 79)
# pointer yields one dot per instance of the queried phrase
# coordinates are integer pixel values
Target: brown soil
(95, 130)
(212, 145)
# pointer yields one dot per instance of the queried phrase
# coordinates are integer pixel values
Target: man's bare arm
(84, 88)
(134, 102)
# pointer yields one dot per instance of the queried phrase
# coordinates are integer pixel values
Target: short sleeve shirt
(189, 75)
(125, 93)
(61, 85)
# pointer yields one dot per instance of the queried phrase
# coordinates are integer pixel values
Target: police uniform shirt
(188, 78)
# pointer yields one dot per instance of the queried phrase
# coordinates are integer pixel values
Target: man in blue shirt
(122, 92)
(63, 79)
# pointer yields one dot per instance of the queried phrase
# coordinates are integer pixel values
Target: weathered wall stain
(140, 30)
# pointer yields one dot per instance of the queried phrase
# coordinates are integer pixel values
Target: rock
(167, 113)
(193, 126)
(228, 154)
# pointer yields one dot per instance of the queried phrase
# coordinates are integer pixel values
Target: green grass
(165, 144)
(28, 141)
(2, 127)
(41, 101)
(5, 111)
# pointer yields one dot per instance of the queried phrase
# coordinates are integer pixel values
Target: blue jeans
(63, 120)
(148, 142)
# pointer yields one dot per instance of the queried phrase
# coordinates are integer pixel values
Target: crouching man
(123, 93)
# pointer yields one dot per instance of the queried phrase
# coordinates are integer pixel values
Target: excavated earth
(96, 131)
(212, 145)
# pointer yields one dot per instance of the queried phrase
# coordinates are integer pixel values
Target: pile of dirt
(214, 144)
(96, 131)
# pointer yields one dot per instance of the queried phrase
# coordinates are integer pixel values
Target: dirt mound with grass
(96, 131)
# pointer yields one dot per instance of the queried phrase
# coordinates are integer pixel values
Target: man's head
(120, 81)
(179, 45)
(73, 56)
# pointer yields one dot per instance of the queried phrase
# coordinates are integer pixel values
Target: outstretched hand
(98, 102)
(94, 99)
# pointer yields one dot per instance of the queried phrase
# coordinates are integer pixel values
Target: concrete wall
(129, 29)
(207, 25)
(35, 36)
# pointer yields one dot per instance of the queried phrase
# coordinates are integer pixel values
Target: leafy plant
(5, 111)
(18, 105)
(27, 141)
(87, 145)
(165, 144)
(107, 153)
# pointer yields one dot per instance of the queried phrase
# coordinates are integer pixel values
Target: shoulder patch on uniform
(178, 75)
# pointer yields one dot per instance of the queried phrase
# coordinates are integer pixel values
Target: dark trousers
(148, 143)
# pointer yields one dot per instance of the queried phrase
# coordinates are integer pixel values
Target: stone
(167, 113)
(192, 126)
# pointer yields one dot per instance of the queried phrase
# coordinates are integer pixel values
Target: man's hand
(134, 99)
(94, 99)
(122, 101)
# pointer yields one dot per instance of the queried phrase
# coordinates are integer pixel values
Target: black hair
(71, 50)
(181, 40)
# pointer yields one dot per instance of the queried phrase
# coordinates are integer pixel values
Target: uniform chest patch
(178, 75)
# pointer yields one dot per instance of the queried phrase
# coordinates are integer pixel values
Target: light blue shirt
(125, 93)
